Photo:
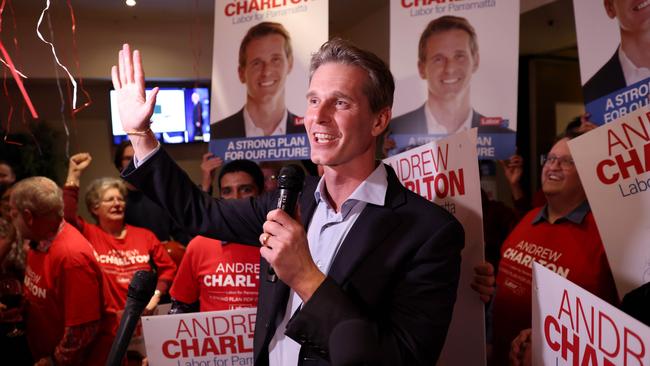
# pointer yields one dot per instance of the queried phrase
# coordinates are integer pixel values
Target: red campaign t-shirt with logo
(574, 251)
(121, 258)
(221, 276)
(62, 287)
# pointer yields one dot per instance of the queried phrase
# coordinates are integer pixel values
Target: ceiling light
(130, 2)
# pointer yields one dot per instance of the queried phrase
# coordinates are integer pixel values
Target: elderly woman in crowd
(120, 249)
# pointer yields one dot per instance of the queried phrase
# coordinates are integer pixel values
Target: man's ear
(421, 70)
(241, 71)
(290, 61)
(609, 8)
(381, 121)
(28, 217)
(477, 61)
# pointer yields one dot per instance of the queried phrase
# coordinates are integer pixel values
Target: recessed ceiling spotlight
(130, 2)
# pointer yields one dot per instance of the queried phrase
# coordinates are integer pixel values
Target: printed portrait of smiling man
(265, 60)
(630, 62)
(448, 57)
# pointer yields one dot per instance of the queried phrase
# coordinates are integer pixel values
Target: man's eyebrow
(341, 95)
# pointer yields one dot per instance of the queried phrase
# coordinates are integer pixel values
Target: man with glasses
(562, 235)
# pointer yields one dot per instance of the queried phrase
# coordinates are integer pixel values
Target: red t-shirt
(121, 258)
(63, 287)
(221, 276)
(574, 251)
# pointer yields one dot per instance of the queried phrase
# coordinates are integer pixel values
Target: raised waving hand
(134, 106)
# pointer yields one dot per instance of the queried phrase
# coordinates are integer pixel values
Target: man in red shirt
(63, 282)
(563, 237)
(220, 275)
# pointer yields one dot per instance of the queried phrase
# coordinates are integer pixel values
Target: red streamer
(18, 80)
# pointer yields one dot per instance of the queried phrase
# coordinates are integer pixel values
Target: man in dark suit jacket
(393, 265)
(634, 27)
(265, 60)
(233, 126)
(415, 123)
(607, 80)
(447, 58)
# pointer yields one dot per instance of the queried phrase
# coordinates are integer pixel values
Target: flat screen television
(181, 115)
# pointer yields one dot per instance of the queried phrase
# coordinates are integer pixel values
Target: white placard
(446, 172)
(613, 162)
(493, 84)
(573, 327)
(216, 338)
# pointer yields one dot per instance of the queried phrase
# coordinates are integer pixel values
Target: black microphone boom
(290, 183)
(141, 289)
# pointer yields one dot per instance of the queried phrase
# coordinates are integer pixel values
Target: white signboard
(573, 327)
(446, 172)
(216, 338)
(465, 79)
(613, 162)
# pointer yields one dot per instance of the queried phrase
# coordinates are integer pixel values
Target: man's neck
(266, 114)
(560, 206)
(450, 113)
(636, 46)
(340, 182)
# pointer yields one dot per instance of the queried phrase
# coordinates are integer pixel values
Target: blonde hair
(40, 195)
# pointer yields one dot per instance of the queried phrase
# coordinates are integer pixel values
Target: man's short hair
(249, 167)
(40, 195)
(98, 187)
(443, 24)
(261, 30)
(380, 86)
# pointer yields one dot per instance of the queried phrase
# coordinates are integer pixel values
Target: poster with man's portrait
(613, 43)
(456, 67)
(260, 77)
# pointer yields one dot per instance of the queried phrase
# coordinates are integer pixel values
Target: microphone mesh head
(291, 177)
(142, 285)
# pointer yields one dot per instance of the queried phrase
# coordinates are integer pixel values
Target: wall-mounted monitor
(181, 115)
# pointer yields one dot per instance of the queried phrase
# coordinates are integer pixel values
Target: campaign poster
(456, 66)
(215, 338)
(613, 39)
(573, 327)
(613, 162)
(445, 172)
(260, 73)
(137, 339)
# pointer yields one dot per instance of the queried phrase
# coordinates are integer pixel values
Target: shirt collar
(372, 190)
(434, 127)
(576, 216)
(631, 72)
(253, 131)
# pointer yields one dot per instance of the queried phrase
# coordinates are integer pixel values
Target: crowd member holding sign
(631, 61)
(63, 281)
(221, 275)
(120, 249)
(447, 58)
(363, 251)
(265, 60)
(562, 236)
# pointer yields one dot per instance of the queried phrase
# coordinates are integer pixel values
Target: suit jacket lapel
(374, 224)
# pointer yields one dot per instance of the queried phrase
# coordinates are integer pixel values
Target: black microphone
(290, 183)
(354, 342)
(141, 289)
